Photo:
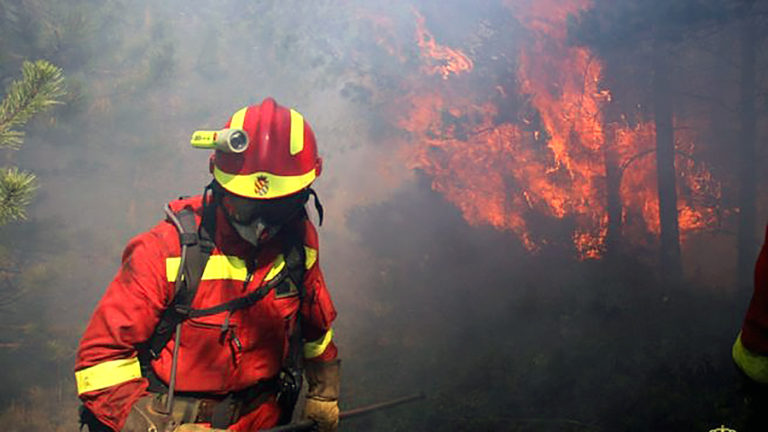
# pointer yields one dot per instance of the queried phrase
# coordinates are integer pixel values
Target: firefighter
(750, 351)
(200, 327)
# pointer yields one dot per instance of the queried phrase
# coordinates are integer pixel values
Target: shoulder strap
(291, 373)
(295, 256)
(196, 248)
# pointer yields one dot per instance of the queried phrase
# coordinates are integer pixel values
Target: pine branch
(16, 191)
(39, 88)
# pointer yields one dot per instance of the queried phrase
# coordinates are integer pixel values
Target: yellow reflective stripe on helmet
(277, 266)
(310, 257)
(238, 119)
(314, 349)
(107, 374)
(297, 132)
(218, 267)
(263, 184)
(754, 365)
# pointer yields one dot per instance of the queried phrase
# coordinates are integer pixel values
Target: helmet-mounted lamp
(226, 140)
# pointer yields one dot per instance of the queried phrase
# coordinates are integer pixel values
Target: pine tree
(40, 87)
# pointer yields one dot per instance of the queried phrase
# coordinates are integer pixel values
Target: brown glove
(143, 417)
(191, 427)
(146, 416)
(322, 404)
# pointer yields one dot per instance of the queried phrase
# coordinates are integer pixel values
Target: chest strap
(240, 302)
(196, 248)
(290, 278)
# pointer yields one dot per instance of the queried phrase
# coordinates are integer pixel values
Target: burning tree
(536, 143)
(641, 42)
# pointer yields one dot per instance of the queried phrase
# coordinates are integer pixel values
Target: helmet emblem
(261, 185)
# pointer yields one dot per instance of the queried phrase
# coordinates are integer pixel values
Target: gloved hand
(191, 427)
(322, 406)
(324, 413)
(143, 417)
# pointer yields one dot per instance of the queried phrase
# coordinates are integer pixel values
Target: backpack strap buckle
(182, 309)
(188, 238)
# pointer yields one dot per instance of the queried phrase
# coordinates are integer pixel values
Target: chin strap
(318, 206)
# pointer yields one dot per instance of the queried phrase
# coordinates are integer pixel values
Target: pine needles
(39, 89)
(41, 85)
(16, 191)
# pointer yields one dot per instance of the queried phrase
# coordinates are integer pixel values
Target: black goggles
(275, 211)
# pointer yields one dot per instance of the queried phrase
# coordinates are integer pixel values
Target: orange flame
(458, 166)
(506, 174)
(440, 59)
(699, 193)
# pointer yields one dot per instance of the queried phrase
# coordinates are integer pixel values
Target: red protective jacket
(252, 347)
(750, 352)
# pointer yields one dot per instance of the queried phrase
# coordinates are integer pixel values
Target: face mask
(257, 221)
(256, 232)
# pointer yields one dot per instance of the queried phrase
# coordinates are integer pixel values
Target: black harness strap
(291, 373)
(197, 245)
(295, 258)
(238, 303)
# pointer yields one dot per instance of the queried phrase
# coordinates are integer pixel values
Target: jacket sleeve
(107, 370)
(750, 352)
(317, 311)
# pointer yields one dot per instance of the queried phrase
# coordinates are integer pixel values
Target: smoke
(499, 337)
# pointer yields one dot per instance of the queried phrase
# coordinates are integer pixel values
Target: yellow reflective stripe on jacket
(277, 267)
(233, 268)
(311, 257)
(107, 374)
(218, 267)
(279, 262)
(314, 349)
(754, 365)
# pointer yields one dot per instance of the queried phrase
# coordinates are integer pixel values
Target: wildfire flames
(439, 59)
(553, 162)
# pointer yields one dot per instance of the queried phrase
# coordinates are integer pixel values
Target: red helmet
(280, 158)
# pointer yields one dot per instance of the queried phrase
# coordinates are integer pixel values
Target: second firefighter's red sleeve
(755, 330)
(750, 351)
(107, 369)
(317, 310)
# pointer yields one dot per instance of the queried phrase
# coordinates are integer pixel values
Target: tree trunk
(747, 246)
(670, 263)
(612, 188)
(611, 116)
